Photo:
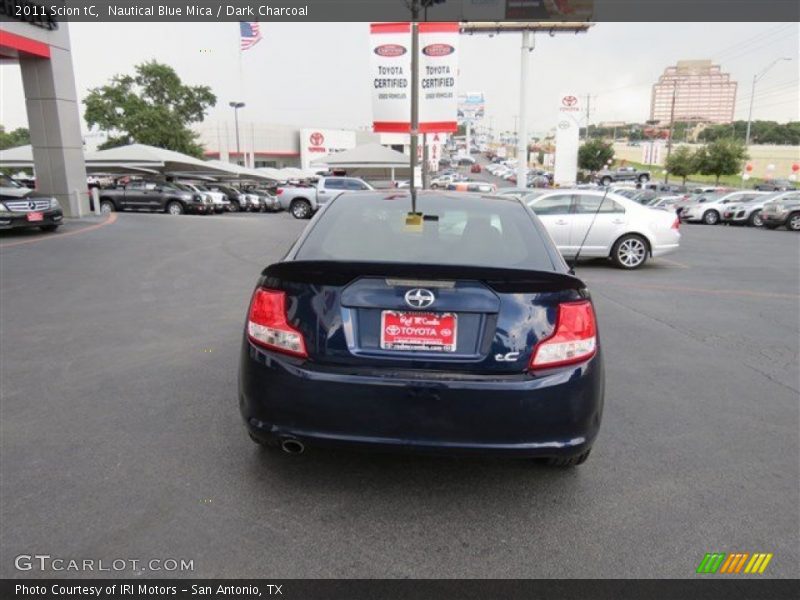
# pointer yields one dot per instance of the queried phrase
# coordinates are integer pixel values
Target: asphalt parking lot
(120, 435)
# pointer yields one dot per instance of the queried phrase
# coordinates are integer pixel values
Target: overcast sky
(315, 74)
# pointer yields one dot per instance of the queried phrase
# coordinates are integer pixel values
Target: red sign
(35, 216)
(432, 332)
(316, 139)
(390, 50)
(438, 50)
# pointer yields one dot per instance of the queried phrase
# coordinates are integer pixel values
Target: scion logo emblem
(316, 138)
(569, 101)
(419, 298)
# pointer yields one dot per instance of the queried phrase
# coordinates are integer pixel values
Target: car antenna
(574, 261)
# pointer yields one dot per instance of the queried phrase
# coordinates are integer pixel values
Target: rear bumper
(663, 249)
(774, 219)
(554, 415)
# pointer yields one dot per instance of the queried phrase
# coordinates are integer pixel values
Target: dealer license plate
(431, 332)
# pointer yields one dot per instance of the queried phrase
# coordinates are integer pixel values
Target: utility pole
(671, 129)
(588, 113)
(756, 79)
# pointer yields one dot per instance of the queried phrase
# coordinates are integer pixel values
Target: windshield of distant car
(463, 230)
(6, 181)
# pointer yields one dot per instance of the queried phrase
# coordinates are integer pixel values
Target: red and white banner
(390, 46)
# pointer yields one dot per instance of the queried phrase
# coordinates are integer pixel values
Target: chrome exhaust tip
(292, 446)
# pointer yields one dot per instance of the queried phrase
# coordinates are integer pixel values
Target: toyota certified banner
(438, 70)
(567, 129)
(390, 45)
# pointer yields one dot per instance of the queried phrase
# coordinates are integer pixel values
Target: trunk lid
(346, 312)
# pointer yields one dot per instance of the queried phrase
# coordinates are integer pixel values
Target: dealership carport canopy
(130, 159)
(239, 172)
(21, 157)
(368, 156)
(164, 161)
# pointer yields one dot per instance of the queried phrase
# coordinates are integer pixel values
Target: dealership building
(41, 47)
(275, 145)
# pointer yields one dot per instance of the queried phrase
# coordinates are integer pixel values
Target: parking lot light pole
(756, 79)
(522, 135)
(236, 106)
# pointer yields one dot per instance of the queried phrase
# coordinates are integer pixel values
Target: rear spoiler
(341, 273)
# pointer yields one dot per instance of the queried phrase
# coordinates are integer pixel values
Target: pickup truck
(303, 202)
(608, 176)
(154, 196)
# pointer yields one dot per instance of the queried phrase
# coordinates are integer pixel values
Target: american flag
(250, 34)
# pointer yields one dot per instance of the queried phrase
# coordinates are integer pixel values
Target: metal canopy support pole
(414, 108)
(522, 136)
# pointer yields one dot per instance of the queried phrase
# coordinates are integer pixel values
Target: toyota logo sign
(419, 298)
(569, 101)
(438, 50)
(390, 50)
(316, 139)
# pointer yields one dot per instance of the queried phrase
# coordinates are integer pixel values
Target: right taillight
(574, 339)
(267, 325)
(278, 191)
(676, 224)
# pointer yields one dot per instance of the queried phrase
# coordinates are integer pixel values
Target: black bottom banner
(402, 589)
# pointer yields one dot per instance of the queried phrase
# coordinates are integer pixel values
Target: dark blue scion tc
(455, 329)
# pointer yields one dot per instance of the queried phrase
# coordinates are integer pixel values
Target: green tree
(594, 155)
(151, 107)
(11, 139)
(723, 157)
(682, 162)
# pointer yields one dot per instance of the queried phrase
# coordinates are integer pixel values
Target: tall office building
(702, 93)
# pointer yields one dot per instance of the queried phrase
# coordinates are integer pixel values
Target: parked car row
(183, 196)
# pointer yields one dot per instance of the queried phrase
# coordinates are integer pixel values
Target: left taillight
(267, 325)
(676, 224)
(574, 339)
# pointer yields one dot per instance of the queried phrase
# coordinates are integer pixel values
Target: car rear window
(456, 230)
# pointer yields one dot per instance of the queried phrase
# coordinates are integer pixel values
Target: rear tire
(606, 181)
(711, 217)
(643, 178)
(755, 219)
(175, 208)
(629, 252)
(235, 206)
(572, 461)
(107, 206)
(49, 228)
(793, 222)
(300, 209)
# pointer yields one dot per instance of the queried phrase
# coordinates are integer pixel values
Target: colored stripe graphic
(734, 563)
(711, 562)
(724, 563)
(758, 563)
